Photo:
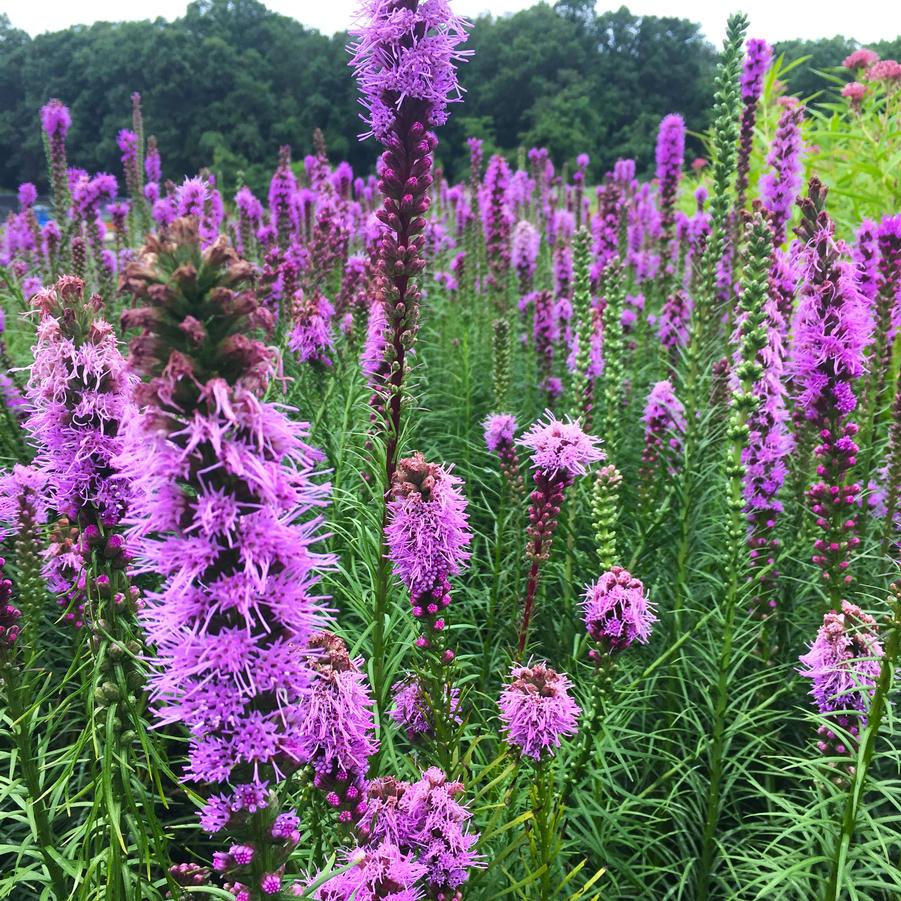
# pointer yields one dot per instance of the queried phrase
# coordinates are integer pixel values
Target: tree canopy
(230, 81)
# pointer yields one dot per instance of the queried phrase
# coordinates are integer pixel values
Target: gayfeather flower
(128, 144)
(427, 536)
(311, 337)
(524, 256)
(670, 158)
(153, 168)
(379, 873)
(617, 611)
(225, 495)
(412, 711)
(282, 191)
(425, 818)
(537, 710)
(497, 223)
(335, 723)
(866, 260)
(56, 121)
(843, 666)
(780, 185)
(404, 59)
(664, 426)
(560, 452)
(405, 55)
(757, 61)
(675, 316)
(191, 197)
(79, 396)
(500, 431)
(831, 330)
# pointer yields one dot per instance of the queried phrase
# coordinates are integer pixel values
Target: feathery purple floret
(191, 197)
(617, 611)
(405, 52)
(669, 157)
(561, 447)
(89, 193)
(780, 185)
(843, 662)
(537, 710)
(235, 552)
(757, 61)
(524, 254)
(378, 873)
(426, 818)
(428, 530)
(500, 431)
(79, 395)
(56, 119)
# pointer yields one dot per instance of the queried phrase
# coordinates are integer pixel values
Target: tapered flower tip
(406, 51)
(617, 610)
(559, 446)
(499, 430)
(843, 662)
(55, 118)
(537, 710)
(670, 146)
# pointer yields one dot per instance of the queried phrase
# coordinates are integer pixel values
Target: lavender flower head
(191, 197)
(670, 155)
(334, 716)
(526, 242)
(500, 429)
(779, 187)
(757, 61)
(79, 395)
(411, 710)
(561, 447)
(89, 193)
(28, 194)
(128, 144)
(405, 53)
(617, 610)
(428, 530)
(379, 873)
(843, 662)
(536, 709)
(425, 817)
(56, 119)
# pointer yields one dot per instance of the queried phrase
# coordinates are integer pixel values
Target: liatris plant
(427, 536)
(407, 76)
(500, 433)
(537, 711)
(670, 159)
(843, 666)
(757, 61)
(831, 330)
(604, 512)
(56, 121)
(222, 483)
(561, 451)
(425, 819)
(497, 222)
(581, 397)
(779, 186)
(664, 426)
(336, 724)
(524, 254)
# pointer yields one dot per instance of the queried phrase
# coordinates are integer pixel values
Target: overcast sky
(866, 20)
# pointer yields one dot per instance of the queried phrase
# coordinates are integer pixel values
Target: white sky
(774, 20)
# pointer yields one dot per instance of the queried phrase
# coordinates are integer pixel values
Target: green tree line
(230, 81)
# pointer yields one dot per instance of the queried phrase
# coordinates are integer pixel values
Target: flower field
(389, 537)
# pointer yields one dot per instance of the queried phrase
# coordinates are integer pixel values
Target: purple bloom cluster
(843, 665)
(537, 710)
(617, 611)
(405, 54)
(231, 621)
(780, 185)
(670, 158)
(79, 395)
(426, 819)
(664, 422)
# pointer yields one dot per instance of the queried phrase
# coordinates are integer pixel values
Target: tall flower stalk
(404, 58)
(831, 330)
(225, 511)
(561, 451)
